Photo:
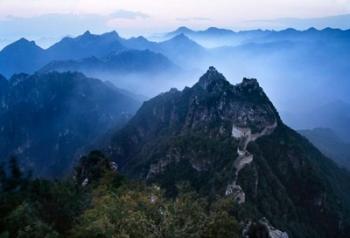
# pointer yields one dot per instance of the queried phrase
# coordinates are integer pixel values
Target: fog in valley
(304, 73)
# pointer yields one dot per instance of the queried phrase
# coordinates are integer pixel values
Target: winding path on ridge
(244, 136)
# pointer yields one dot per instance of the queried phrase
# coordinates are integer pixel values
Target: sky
(47, 20)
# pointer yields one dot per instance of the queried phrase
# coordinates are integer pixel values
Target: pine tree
(16, 172)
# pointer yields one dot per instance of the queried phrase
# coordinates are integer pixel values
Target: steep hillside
(227, 140)
(47, 118)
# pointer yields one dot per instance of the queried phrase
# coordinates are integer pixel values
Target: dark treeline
(108, 205)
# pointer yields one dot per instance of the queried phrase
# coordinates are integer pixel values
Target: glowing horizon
(48, 20)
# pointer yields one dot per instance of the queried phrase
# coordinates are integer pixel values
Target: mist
(304, 73)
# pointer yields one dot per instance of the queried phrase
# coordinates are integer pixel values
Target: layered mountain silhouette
(329, 143)
(86, 45)
(211, 37)
(24, 56)
(179, 48)
(214, 36)
(125, 62)
(21, 56)
(281, 59)
(47, 119)
(228, 140)
(211, 32)
(334, 115)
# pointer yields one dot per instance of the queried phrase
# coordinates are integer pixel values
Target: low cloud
(186, 19)
(124, 14)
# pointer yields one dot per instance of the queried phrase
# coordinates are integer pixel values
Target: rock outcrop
(228, 140)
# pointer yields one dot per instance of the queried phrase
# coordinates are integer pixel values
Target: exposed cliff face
(92, 168)
(262, 228)
(229, 140)
(212, 108)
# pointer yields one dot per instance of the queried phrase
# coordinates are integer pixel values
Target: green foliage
(137, 210)
(58, 203)
(92, 167)
(38, 208)
(16, 172)
(25, 223)
(110, 206)
(128, 214)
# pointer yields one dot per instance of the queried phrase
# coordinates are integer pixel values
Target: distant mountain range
(124, 62)
(178, 47)
(46, 120)
(86, 45)
(211, 31)
(217, 37)
(181, 46)
(336, 21)
(311, 62)
(334, 115)
(25, 56)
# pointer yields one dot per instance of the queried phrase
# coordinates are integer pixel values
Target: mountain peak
(216, 29)
(213, 80)
(211, 77)
(250, 87)
(183, 41)
(24, 42)
(250, 83)
(111, 34)
(312, 29)
(183, 29)
(139, 39)
(181, 36)
(87, 33)
(180, 30)
(212, 31)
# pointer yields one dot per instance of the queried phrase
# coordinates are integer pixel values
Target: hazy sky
(223, 12)
(174, 7)
(32, 18)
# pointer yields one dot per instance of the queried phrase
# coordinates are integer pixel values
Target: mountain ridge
(227, 140)
(127, 61)
(47, 119)
(69, 48)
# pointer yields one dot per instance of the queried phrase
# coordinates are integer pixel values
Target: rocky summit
(228, 140)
